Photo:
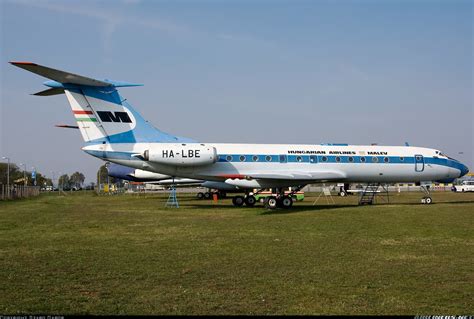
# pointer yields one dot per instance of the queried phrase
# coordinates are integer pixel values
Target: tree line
(74, 181)
(17, 176)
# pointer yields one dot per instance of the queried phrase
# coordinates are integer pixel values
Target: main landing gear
(278, 199)
(281, 200)
(273, 202)
(209, 195)
(248, 200)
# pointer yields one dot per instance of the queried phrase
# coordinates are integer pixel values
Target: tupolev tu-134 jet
(114, 131)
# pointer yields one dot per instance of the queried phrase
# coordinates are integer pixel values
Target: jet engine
(192, 154)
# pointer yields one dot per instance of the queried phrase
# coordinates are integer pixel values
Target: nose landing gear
(426, 199)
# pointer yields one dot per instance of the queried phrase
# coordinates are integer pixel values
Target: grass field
(88, 254)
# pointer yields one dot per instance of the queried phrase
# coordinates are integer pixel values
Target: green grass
(88, 254)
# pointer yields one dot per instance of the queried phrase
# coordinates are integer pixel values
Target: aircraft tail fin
(102, 115)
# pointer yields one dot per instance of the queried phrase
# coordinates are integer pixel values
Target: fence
(18, 191)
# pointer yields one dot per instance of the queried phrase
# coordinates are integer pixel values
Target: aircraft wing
(282, 179)
(298, 175)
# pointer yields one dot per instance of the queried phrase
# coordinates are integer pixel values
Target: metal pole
(24, 173)
(8, 175)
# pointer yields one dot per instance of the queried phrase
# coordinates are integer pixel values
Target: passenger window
(351, 159)
(375, 159)
(242, 158)
(325, 159)
(362, 159)
(386, 159)
(255, 158)
(268, 158)
(299, 159)
(338, 159)
(229, 158)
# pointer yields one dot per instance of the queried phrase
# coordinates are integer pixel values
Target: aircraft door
(419, 163)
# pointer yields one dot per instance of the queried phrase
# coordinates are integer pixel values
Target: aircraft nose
(464, 170)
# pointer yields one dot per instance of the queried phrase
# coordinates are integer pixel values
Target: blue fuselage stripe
(309, 159)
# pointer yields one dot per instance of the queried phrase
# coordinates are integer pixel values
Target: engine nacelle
(192, 154)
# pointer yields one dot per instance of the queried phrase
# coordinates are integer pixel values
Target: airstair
(367, 196)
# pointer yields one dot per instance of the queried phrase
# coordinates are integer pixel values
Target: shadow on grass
(306, 208)
(448, 202)
(299, 209)
(265, 211)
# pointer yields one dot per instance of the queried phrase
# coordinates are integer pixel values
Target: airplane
(138, 175)
(114, 131)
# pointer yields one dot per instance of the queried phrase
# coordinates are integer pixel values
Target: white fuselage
(267, 165)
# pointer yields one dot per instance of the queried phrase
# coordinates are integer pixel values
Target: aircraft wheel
(207, 195)
(250, 201)
(342, 193)
(286, 202)
(238, 201)
(271, 202)
(427, 200)
(200, 195)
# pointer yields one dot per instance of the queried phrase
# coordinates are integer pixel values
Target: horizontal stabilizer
(58, 75)
(48, 92)
(67, 126)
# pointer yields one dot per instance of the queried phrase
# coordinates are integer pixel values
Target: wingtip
(21, 63)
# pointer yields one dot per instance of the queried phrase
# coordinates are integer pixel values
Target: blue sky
(358, 72)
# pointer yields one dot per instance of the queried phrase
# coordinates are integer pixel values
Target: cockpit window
(442, 154)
